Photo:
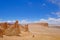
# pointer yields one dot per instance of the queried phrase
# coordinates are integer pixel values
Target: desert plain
(36, 32)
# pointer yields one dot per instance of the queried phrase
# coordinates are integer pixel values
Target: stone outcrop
(13, 30)
(26, 28)
(44, 24)
(1, 33)
(16, 28)
(5, 25)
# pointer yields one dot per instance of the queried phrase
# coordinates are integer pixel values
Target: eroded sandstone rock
(1, 33)
(13, 30)
(26, 28)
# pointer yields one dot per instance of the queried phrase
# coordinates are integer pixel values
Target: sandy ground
(36, 33)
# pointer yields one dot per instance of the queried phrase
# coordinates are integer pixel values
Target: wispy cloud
(50, 20)
(56, 13)
(43, 4)
(54, 20)
(9, 21)
(57, 2)
(24, 21)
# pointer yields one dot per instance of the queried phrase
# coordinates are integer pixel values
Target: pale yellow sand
(36, 33)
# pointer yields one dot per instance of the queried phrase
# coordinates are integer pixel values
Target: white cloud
(24, 22)
(57, 2)
(43, 20)
(56, 13)
(49, 20)
(43, 4)
(55, 21)
(10, 21)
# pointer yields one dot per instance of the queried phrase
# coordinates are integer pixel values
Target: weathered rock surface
(13, 30)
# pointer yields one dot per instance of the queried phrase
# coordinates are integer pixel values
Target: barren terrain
(36, 33)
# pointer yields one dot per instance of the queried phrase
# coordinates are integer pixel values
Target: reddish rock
(26, 27)
(13, 30)
(1, 33)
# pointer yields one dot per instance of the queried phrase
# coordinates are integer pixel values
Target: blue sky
(29, 9)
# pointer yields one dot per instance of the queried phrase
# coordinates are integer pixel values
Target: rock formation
(16, 28)
(13, 30)
(1, 33)
(26, 28)
(41, 24)
(5, 25)
(44, 24)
